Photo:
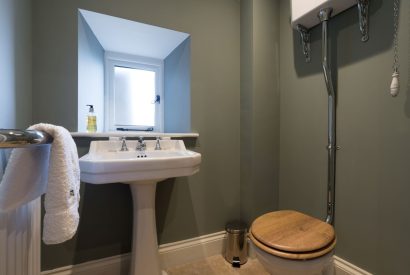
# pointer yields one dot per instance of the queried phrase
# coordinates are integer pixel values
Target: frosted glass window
(134, 95)
(134, 90)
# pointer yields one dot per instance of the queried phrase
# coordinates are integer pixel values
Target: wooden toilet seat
(292, 235)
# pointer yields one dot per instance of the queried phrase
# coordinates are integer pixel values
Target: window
(134, 92)
(124, 66)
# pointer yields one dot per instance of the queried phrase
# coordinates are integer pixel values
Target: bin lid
(236, 227)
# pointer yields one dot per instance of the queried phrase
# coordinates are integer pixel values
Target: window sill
(133, 134)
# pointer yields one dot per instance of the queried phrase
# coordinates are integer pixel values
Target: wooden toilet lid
(292, 231)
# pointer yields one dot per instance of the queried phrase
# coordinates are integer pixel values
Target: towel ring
(13, 138)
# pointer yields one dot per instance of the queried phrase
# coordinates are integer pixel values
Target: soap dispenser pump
(91, 120)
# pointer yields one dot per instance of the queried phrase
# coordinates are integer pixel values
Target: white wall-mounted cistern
(305, 16)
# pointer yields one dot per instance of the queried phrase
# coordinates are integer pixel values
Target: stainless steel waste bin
(236, 251)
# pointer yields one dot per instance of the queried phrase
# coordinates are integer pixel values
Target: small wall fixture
(304, 17)
(363, 8)
(395, 83)
(305, 41)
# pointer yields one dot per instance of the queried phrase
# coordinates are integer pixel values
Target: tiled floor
(216, 265)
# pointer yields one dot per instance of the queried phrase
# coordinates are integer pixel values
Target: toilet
(288, 242)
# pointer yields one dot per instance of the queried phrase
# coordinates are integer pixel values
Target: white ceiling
(130, 37)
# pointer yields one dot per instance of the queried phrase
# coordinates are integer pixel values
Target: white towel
(25, 179)
(63, 192)
(25, 176)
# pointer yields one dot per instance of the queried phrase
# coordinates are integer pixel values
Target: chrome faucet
(141, 145)
(158, 144)
(123, 144)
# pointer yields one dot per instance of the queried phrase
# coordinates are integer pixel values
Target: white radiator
(20, 237)
(20, 240)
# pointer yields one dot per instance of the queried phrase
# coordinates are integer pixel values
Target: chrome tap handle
(141, 146)
(158, 144)
(123, 144)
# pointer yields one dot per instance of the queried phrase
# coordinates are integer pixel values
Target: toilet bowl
(288, 242)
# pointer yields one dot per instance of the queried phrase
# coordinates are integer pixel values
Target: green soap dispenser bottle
(91, 120)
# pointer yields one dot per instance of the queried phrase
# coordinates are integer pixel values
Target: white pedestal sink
(106, 164)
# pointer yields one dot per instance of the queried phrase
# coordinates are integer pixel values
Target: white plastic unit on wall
(305, 12)
(305, 16)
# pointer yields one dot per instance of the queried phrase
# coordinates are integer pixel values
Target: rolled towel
(63, 192)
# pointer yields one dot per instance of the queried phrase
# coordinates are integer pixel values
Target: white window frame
(113, 59)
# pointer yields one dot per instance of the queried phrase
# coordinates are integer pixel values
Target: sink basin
(105, 163)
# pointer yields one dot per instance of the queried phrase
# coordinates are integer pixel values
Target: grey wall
(186, 207)
(372, 220)
(15, 72)
(373, 130)
(177, 89)
(90, 75)
(55, 82)
(259, 107)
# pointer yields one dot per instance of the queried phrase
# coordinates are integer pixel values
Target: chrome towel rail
(13, 138)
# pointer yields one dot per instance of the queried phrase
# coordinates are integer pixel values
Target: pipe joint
(324, 14)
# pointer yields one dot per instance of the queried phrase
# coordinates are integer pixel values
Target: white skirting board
(343, 267)
(174, 254)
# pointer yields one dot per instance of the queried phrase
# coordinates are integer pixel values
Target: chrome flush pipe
(324, 16)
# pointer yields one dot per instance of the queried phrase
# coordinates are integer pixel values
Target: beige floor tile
(216, 265)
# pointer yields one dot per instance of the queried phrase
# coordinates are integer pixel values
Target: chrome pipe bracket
(305, 41)
(330, 147)
(363, 8)
(330, 213)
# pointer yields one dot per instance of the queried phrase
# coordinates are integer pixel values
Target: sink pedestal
(106, 163)
(145, 258)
